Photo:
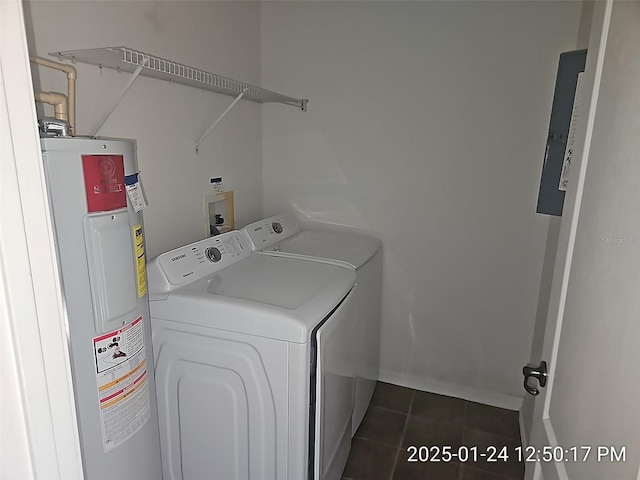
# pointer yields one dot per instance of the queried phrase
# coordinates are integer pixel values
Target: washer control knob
(213, 254)
(277, 227)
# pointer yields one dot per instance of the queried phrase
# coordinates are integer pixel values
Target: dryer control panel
(270, 231)
(175, 268)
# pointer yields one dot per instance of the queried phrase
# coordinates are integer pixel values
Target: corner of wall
(585, 24)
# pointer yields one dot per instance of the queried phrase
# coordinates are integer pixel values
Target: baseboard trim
(510, 402)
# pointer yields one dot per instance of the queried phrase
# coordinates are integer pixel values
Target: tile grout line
(464, 426)
(382, 444)
(387, 409)
(404, 431)
(494, 434)
(497, 476)
(477, 468)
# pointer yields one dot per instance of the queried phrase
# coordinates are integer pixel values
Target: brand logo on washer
(178, 257)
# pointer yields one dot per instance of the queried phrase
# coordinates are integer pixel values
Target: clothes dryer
(254, 366)
(282, 235)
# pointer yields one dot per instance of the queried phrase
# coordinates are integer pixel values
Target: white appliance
(100, 246)
(254, 366)
(282, 235)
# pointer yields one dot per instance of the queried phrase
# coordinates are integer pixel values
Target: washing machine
(283, 235)
(253, 361)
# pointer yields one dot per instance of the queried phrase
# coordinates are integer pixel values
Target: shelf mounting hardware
(126, 88)
(205, 134)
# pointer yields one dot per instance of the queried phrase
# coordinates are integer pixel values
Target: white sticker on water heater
(135, 192)
(123, 384)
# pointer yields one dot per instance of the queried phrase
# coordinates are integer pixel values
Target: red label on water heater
(104, 182)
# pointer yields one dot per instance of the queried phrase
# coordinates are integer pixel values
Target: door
(586, 416)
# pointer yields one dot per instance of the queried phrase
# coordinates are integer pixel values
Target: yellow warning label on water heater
(141, 264)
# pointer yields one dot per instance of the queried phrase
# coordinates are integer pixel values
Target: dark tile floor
(399, 418)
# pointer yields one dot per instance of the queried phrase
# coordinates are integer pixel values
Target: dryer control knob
(213, 254)
(277, 227)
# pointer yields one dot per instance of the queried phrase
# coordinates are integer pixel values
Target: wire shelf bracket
(126, 88)
(205, 134)
(124, 59)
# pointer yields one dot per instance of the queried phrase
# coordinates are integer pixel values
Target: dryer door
(335, 383)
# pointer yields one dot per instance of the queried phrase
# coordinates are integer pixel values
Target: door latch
(539, 372)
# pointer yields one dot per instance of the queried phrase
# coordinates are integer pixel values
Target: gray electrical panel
(551, 195)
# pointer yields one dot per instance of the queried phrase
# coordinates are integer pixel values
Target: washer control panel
(270, 231)
(197, 260)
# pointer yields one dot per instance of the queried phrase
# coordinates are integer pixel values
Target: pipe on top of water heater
(59, 98)
(59, 102)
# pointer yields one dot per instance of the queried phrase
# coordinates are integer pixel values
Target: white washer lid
(269, 296)
(352, 248)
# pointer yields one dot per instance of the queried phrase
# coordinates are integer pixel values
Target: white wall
(166, 119)
(426, 128)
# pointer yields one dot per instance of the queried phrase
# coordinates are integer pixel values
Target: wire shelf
(125, 59)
